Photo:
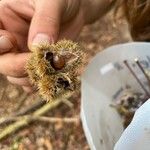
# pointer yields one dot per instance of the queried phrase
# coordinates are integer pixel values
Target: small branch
(68, 103)
(56, 120)
(14, 127)
(21, 101)
(5, 120)
(39, 103)
(46, 119)
(27, 120)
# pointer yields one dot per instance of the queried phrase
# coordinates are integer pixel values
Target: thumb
(45, 23)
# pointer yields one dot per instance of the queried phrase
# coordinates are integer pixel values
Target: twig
(135, 76)
(5, 120)
(27, 120)
(56, 120)
(143, 71)
(68, 103)
(21, 101)
(32, 108)
(48, 119)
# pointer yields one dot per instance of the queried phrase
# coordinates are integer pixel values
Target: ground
(58, 136)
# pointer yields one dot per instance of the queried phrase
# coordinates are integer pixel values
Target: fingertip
(7, 41)
(5, 44)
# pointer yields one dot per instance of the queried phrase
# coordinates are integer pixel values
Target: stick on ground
(27, 120)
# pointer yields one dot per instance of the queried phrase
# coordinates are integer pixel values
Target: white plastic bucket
(103, 80)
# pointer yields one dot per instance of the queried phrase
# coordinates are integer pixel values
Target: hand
(28, 22)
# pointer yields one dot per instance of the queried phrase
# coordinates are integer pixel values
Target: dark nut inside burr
(56, 61)
(63, 83)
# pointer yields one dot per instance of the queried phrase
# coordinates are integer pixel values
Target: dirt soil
(59, 136)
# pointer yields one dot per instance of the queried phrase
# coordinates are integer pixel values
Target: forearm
(94, 9)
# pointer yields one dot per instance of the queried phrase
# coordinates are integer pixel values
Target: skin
(22, 20)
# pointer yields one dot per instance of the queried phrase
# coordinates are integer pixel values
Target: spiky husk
(46, 78)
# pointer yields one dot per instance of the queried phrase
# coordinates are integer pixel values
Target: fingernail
(5, 43)
(42, 38)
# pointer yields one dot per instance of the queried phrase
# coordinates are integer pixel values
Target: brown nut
(58, 62)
